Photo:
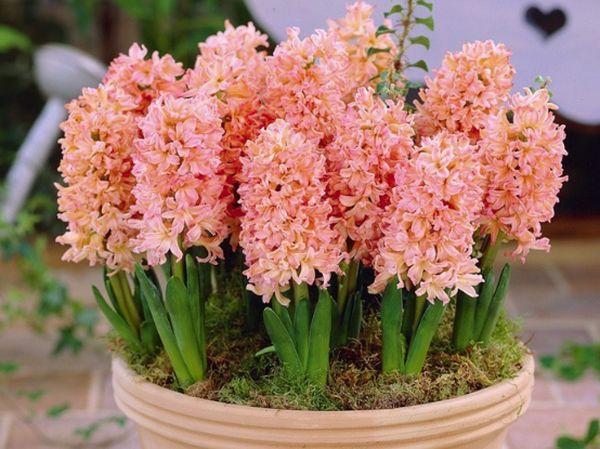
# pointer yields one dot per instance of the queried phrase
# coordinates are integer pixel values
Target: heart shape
(547, 23)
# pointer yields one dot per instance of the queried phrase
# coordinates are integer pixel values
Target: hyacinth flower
(373, 139)
(96, 203)
(521, 153)
(426, 248)
(470, 86)
(180, 217)
(288, 237)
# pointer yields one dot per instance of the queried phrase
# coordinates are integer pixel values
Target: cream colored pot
(170, 420)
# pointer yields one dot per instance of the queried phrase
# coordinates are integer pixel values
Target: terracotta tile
(539, 427)
(62, 430)
(56, 390)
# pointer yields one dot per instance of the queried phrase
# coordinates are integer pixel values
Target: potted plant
(301, 187)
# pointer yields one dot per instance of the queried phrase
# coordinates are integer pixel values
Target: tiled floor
(558, 295)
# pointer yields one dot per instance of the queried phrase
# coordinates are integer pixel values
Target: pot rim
(185, 404)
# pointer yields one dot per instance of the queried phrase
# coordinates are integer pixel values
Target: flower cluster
(96, 168)
(296, 156)
(179, 188)
(469, 86)
(522, 151)
(287, 227)
(429, 225)
(374, 138)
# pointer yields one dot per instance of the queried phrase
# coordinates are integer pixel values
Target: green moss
(355, 383)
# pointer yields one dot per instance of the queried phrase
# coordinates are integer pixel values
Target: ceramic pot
(171, 420)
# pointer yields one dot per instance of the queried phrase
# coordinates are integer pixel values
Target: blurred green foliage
(573, 360)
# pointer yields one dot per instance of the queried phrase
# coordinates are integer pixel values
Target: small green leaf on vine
(425, 21)
(383, 30)
(372, 51)
(420, 40)
(420, 64)
(428, 5)
(396, 9)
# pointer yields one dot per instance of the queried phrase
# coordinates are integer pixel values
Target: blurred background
(54, 370)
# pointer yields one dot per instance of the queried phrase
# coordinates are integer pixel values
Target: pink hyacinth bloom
(96, 168)
(522, 151)
(428, 227)
(178, 168)
(287, 232)
(307, 82)
(373, 139)
(469, 86)
(145, 79)
(231, 66)
(358, 31)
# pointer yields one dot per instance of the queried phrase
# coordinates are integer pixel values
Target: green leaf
(283, 343)
(420, 64)
(428, 5)
(12, 39)
(117, 322)
(373, 51)
(319, 340)
(8, 367)
(419, 346)
(382, 29)
(496, 305)
(356, 317)
(593, 430)
(182, 321)
(392, 356)
(483, 303)
(420, 40)
(163, 326)
(426, 21)
(57, 410)
(264, 351)
(301, 328)
(396, 9)
(569, 443)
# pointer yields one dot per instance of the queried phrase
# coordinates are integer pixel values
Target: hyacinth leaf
(419, 346)
(483, 303)
(117, 322)
(409, 313)
(193, 289)
(496, 305)
(283, 343)
(284, 315)
(391, 319)
(119, 297)
(301, 327)
(420, 304)
(163, 326)
(148, 333)
(462, 333)
(182, 320)
(356, 317)
(320, 336)
(111, 292)
(154, 278)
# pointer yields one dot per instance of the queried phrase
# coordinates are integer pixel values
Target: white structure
(555, 38)
(61, 72)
